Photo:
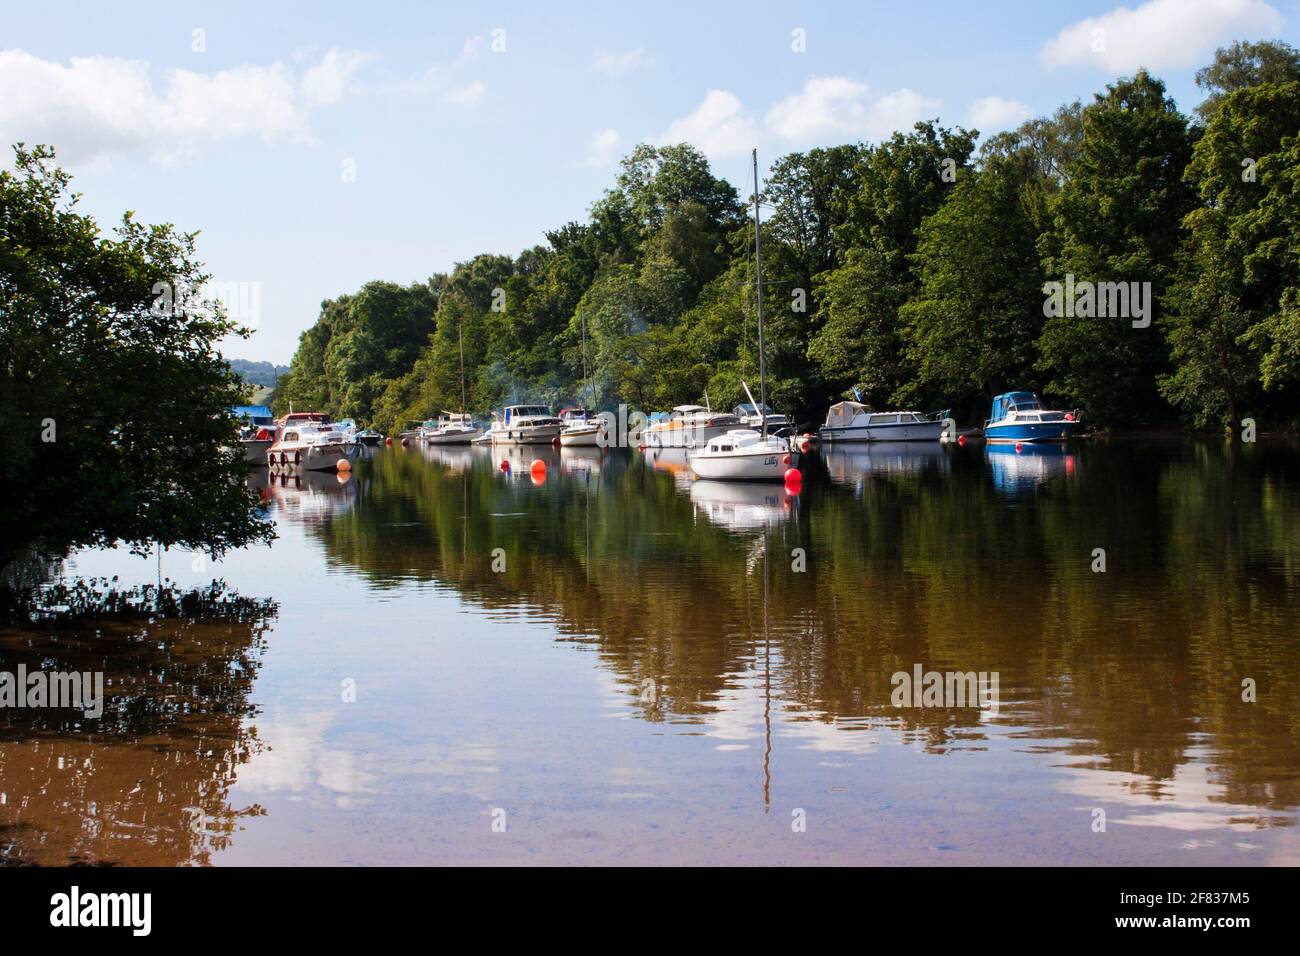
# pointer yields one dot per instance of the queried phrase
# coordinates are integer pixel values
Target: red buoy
(785, 460)
(961, 441)
(505, 464)
(793, 480)
(389, 441)
(804, 444)
(1018, 447)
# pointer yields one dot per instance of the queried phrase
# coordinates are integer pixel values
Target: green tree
(1231, 312)
(1117, 219)
(1242, 65)
(969, 330)
(114, 396)
(900, 182)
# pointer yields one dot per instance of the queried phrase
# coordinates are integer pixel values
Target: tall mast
(758, 271)
(460, 336)
(584, 352)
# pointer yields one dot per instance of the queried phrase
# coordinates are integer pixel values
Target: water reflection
(742, 506)
(852, 464)
(1017, 469)
(149, 782)
(743, 641)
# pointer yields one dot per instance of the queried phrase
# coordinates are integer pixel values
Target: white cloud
(472, 48)
(468, 95)
(719, 126)
(1159, 34)
(330, 80)
(96, 106)
(992, 114)
(618, 63)
(602, 147)
(827, 106)
(836, 107)
(899, 110)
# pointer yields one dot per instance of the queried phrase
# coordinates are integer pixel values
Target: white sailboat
(455, 428)
(746, 454)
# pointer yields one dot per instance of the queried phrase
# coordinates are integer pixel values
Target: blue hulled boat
(1020, 417)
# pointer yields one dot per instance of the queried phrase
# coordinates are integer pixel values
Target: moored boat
(314, 446)
(688, 426)
(581, 429)
(256, 431)
(743, 454)
(750, 417)
(525, 425)
(452, 428)
(853, 421)
(1020, 417)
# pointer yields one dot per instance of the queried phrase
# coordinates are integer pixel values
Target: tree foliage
(115, 402)
(912, 270)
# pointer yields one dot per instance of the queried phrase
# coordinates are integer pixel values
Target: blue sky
(474, 127)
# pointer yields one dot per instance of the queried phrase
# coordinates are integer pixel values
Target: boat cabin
(1023, 407)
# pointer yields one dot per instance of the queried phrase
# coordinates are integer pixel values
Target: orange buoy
(538, 468)
(344, 465)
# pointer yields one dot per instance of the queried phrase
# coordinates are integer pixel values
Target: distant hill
(257, 373)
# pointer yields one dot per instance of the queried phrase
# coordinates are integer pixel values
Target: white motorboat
(853, 421)
(688, 426)
(452, 428)
(525, 425)
(314, 446)
(581, 429)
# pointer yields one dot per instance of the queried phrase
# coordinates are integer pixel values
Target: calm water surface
(645, 677)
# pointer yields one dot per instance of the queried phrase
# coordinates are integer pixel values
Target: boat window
(291, 436)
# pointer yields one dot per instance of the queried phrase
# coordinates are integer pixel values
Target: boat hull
(527, 435)
(1030, 432)
(743, 465)
(581, 438)
(312, 458)
(902, 431)
(255, 450)
(458, 437)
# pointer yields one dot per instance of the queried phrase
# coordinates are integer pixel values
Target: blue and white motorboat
(1020, 417)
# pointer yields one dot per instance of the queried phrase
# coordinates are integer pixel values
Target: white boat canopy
(844, 413)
